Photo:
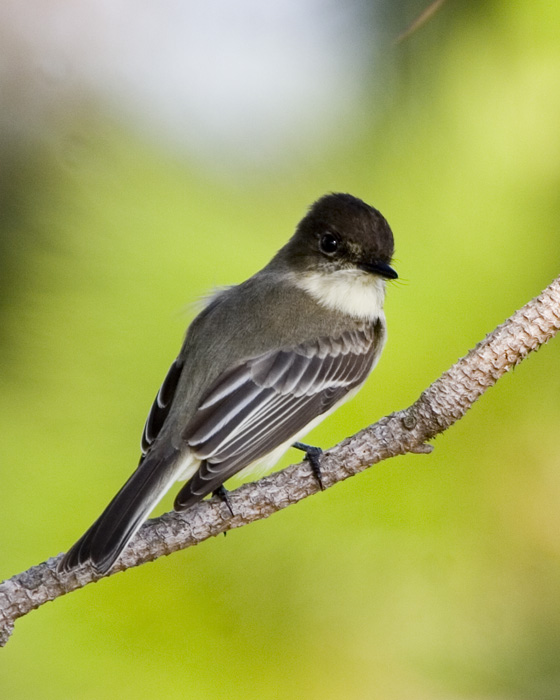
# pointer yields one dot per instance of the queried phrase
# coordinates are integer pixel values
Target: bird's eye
(328, 243)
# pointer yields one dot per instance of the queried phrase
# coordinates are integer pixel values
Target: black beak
(379, 268)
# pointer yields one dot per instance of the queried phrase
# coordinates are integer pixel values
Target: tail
(110, 533)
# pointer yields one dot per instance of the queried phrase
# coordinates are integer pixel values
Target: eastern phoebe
(262, 364)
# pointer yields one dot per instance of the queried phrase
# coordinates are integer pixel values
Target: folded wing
(260, 404)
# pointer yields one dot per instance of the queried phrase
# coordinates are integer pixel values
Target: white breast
(354, 292)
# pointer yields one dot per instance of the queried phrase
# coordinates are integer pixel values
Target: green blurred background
(149, 153)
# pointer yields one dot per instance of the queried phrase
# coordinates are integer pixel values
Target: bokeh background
(150, 151)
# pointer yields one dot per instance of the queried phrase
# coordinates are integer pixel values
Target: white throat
(352, 292)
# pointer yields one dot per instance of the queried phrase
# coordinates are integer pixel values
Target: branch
(422, 18)
(442, 404)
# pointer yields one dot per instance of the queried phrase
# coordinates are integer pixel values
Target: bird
(262, 364)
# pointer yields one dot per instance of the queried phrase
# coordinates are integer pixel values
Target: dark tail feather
(111, 532)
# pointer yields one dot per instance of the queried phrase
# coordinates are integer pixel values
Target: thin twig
(437, 408)
(422, 18)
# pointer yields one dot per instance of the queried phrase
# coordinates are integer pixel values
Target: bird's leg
(312, 455)
(222, 493)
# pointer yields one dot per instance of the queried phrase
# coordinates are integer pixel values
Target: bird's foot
(222, 493)
(313, 456)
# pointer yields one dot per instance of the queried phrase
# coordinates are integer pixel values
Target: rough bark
(442, 404)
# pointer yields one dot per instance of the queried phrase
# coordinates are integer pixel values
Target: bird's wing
(263, 402)
(161, 406)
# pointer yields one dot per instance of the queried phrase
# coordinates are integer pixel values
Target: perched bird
(263, 363)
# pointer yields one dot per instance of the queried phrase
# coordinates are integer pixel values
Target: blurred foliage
(428, 577)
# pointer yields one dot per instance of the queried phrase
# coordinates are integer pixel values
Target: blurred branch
(442, 404)
(422, 18)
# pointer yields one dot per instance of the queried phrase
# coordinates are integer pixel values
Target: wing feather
(262, 403)
(161, 406)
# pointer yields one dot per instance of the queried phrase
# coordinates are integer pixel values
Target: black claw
(312, 455)
(222, 493)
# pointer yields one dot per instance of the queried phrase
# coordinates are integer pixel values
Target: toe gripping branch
(222, 493)
(313, 456)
